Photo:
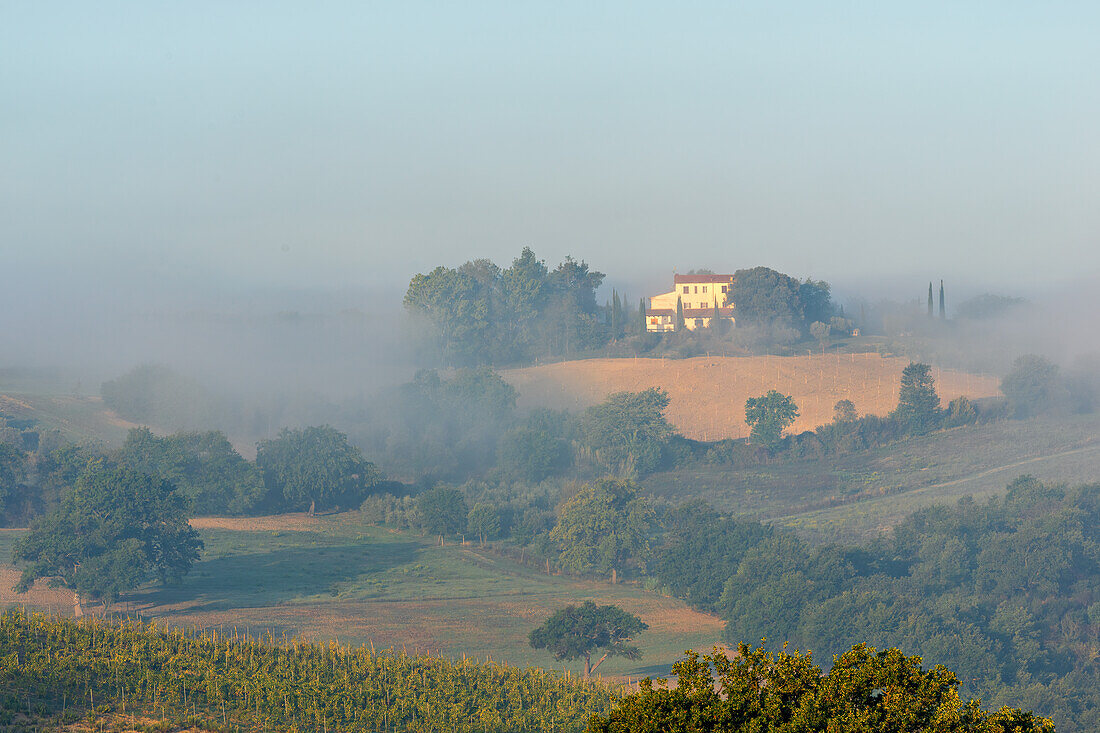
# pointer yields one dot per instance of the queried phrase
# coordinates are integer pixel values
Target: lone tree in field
(114, 531)
(918, 404)
(768, 416)
(314, 467)
(580, 631)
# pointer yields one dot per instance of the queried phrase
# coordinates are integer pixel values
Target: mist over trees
(203, 466)
(480, 313)
(315, 467)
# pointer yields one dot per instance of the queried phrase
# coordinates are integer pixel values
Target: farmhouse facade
(703, 297)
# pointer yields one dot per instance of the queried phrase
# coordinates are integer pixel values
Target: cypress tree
(679, 314)
(943, 311)
(714, 318)
(929, 298)
(616, 315)
(641, 315)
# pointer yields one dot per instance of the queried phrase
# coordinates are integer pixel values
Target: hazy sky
(231, 144)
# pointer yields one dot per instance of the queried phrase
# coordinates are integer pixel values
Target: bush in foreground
(866, 691)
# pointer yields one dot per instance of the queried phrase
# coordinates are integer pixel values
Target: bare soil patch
(708, 393)
(297, 522)
(40, 596)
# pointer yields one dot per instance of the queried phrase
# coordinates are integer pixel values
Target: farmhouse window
(704, 288)
(697, 288)
(698, 322)
(723, 288)
(686, 289)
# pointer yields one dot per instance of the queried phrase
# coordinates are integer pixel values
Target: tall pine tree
(929, 298)
(943, 310)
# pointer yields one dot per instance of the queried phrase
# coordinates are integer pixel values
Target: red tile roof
(702, 279)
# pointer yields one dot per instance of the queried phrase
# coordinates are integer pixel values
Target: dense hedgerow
(253, 684)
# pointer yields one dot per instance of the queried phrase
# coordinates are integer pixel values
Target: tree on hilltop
(580, 631)
(763, 296)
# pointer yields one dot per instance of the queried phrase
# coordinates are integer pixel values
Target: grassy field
(854, 497)
(708, 393)
(332, 577)
(80, 419)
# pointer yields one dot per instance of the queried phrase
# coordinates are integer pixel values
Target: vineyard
(239, 682)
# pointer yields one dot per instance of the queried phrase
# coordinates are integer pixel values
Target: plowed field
(708, 393)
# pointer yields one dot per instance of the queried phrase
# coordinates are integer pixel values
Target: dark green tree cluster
(443, 511)
(315, 467)
(203, 466)
(628, 431)
(117, 529)
(1006, 591)
(13, 472)
(865, 691)
(482, 314)
(603, 527)
(765, 297)
(539, 447)
(918, 407)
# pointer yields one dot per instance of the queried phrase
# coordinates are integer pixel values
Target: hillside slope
(709, 392)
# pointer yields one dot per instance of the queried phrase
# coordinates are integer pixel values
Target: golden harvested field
(708, 393)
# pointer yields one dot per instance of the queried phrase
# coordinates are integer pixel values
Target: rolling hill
(708, 393)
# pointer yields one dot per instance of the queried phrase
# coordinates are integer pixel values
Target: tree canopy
(115, 530)
(443, 511)
(482, 314)
(602, 527)
(627, 432)
(203, 466)
(315, 467)
(12, 472)
(1003, 590)
(865, 691)
(580, 631)
(768, 416)
(918, 404)
(1035, 386)
(762, 296)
